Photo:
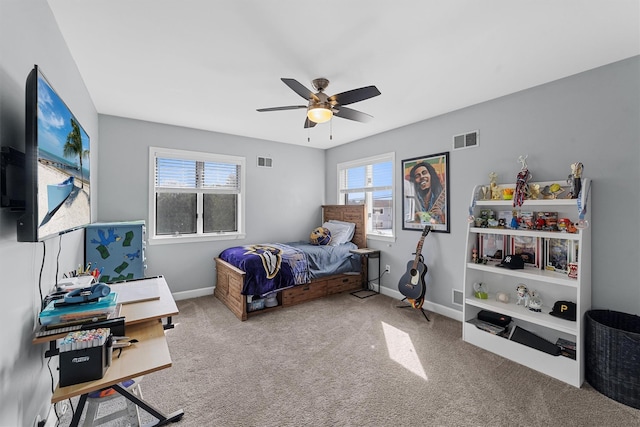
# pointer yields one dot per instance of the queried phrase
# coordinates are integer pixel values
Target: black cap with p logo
(564, 310)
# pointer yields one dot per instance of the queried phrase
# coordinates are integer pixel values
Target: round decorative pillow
(320, 236)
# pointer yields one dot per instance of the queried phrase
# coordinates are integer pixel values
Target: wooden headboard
(349, 213)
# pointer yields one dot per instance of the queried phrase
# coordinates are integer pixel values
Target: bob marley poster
(426, 193)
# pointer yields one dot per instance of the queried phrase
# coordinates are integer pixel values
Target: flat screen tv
(57, 163)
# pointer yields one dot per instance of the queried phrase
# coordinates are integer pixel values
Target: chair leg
(92, 410)
(131, 410)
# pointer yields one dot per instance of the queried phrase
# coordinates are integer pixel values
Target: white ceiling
(209, 64)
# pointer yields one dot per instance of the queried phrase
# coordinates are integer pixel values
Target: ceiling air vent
(466, 140)
(265, 162)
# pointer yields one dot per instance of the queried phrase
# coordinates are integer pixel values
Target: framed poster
(529, 248)
(425, 193)
(558, 255)
(492, 246)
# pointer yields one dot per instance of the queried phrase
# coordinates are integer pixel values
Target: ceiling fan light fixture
(319, 113)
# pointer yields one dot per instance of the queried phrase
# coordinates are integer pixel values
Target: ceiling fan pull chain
(331, 129)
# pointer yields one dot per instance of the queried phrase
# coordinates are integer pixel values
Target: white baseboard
(193, 293)
(428, 306)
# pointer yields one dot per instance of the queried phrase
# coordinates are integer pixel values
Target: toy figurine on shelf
(515, 221)
(523, 294)
(493, 185)
(535, 303)
(575, 180)
(551, 191)
(522, 182)
(474, 255)
(484, 190)
(533, 191)
(563, 224)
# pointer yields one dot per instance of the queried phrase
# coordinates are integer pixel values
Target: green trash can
(612, 355)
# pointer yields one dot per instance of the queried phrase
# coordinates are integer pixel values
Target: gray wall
(29, 35)
(592, 117)
(282, 202)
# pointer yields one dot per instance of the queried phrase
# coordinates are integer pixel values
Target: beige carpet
(344, 361)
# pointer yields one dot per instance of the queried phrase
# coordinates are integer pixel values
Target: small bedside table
(368, 253)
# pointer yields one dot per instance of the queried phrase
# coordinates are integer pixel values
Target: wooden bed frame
(229, 279)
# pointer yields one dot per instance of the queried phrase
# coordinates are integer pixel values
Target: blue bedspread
(271, 267)
(328, 260)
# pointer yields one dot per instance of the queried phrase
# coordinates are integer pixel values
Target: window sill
(381, 237)
(186, 238)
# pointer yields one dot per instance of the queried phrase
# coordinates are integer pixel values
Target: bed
(241, 291)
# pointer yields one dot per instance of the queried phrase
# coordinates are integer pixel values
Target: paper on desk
(136, 291)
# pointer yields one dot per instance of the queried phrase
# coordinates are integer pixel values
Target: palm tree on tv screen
(73, 147)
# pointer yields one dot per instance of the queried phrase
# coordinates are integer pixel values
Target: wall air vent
(457, 297)
(265, 162)
(466, 140)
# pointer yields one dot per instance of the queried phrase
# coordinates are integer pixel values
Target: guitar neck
(419, 247)
(418, 252)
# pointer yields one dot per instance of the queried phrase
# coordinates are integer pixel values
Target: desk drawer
(344, 283)
(304, 293)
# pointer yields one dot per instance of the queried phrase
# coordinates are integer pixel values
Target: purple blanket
(269, 267)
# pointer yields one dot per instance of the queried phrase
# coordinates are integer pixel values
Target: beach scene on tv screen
(63, 166)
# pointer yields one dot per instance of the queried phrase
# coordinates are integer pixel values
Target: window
(195, 196)
(370, 182)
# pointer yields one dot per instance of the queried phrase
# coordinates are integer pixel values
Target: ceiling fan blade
(308, 123)
(355, 95)
(351, 114)
(299, 88)
(289, 107)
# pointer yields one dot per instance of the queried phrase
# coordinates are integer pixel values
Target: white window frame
(155, 152)
(386, 157)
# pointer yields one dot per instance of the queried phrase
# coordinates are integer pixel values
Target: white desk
(143, 321)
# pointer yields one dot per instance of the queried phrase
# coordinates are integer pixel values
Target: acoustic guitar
(411, 283)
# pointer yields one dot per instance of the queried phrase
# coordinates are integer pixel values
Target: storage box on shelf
(116, 249)
(550, 283)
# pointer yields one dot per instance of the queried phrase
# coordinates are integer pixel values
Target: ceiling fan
(322, 107)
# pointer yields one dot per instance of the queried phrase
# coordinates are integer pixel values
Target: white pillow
(339, 233)
(351, 225)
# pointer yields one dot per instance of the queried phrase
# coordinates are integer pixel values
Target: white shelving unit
(551, 286)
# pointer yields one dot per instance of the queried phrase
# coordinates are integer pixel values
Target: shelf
(527, 274)
(554, 285)
(526, 233)
(530, 202)
(560, 367)
(542, 318)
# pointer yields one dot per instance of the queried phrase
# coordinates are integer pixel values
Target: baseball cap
(564, 310)
(513, 262)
